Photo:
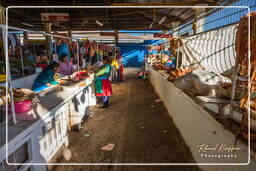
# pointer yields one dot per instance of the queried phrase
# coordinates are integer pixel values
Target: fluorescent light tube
(162, 20)
(99, 23)
(150, 25)
(26, 24)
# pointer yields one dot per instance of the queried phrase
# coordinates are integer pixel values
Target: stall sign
(107, 34)
(54, 16)
(163, 35)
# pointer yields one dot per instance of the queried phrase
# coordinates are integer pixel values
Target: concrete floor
(140, 128)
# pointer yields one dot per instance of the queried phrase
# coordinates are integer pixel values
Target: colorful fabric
(115, 64)
(66, 68)
(47, 76)
(102, 83)
(63, 49)
(104, 71)
(103, 87)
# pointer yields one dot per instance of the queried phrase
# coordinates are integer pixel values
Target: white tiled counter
(42, 131)
(198, 127)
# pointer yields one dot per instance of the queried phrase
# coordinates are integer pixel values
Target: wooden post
(2, 16)
(233, 91)
(77, 49)
(116, 37)
(48, 29)
(199, 19)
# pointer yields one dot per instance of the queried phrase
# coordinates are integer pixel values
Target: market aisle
(140, 128)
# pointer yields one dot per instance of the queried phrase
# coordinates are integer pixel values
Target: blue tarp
(134, 53)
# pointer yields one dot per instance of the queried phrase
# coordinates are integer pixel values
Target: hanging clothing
(66, 68)
(82, 50)
(102, 83)
(92, 51)
(63, 49)
(47, 76)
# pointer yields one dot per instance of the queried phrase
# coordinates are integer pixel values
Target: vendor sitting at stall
(102, 84)
(66, 67)
(46, 78)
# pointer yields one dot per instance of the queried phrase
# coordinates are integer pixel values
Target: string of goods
(242, 53)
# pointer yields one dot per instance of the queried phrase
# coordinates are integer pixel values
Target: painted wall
(133, 54)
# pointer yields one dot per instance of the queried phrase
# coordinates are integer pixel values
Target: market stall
(216, 101)
(41, 120)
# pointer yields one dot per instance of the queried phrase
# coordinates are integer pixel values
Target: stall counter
(197, 126)
(45, 126)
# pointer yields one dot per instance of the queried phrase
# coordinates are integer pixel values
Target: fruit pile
(159, 66)
(179, 73)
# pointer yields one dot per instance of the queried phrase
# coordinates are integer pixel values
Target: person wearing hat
(46, 78)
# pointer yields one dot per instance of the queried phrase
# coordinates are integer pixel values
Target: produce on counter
(19, 94)
(179, 73)
(160, 66)
(2, 95)
(22, 94)
(82, 75)
(175, 43)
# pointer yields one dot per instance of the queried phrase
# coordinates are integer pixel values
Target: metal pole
(77, 49)
(178, 54)
(8, 75)
(34, 49)
(21, 60)
(22, 63)
(231, 109)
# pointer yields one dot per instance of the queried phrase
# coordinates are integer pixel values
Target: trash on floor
(158, 101)
(108, 147)
(87, 135)
(66, 153)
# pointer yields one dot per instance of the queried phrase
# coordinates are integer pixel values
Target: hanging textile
(213, 51)
(63, 49)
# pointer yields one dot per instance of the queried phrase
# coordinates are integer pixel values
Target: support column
(198, 25)
(116, 37)
(2, 21)
(48, 29)
(2, 15)
(70, 34)
(176, 35)
(25, 36)
(116, 40)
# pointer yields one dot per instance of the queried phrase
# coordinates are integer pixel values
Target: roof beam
(182, 3)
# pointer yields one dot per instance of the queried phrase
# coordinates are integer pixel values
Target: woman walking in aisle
(102, 84)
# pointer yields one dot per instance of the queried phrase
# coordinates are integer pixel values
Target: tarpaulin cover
(132, 53)
(213, 51)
